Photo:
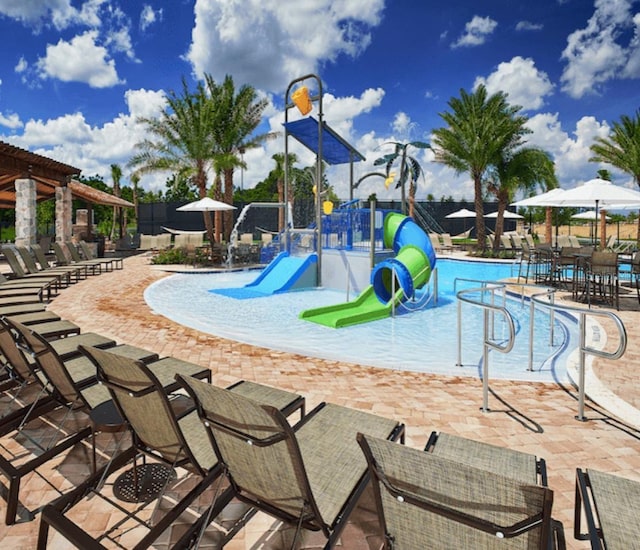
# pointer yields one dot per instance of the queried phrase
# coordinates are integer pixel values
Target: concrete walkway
(534, 418)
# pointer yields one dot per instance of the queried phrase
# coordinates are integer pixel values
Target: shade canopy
(600, 193)
(547, 198)
(205, 205)
(507, 215)
(335, 150)
(590, 215)
(462, 213)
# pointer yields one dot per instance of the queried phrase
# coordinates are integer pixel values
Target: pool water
(424, 340)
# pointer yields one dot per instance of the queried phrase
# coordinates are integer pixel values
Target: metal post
(459, 363)
(485, 365)
(583, 330)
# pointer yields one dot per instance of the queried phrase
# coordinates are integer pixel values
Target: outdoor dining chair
(429, 501)
(309, 475)
(610, 505)
(166, 429)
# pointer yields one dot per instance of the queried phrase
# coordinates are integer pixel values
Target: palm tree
(410, 169)
(621, 149)
(135, 180)
(116, 175)
(278, 173)
(182, 140)
(237, 115)
(481, 130)
(523, 170)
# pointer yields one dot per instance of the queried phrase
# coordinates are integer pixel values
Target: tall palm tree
(116, 175)
(278, 173)
(621, 149)
(410, 169)
(523, 170)
(237, 115)
(480, 130)
(181, 140)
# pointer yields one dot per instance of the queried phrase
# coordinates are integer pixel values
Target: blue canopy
(335, 150)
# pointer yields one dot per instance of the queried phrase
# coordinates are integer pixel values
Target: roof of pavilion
(16, 163)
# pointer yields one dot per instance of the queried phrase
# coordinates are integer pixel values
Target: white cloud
(21, 66)
(526, 85)
(290, 40)
(632, 69)
(149, 16)
(529, 26)
(81, 60)
(72, 140)
(59, 13)
(594, 55)
(571, 152)
(10, 120)
(476, 32)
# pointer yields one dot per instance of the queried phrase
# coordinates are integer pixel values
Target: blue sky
(74, 76)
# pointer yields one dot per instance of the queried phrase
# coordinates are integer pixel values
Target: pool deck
(536, 418)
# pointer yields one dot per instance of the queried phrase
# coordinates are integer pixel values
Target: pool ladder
(545, 300)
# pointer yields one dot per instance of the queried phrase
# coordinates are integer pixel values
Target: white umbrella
(205, 205)
(507, 215)
(543, 199)
(600, 192)
(462, 213)
(589, 216)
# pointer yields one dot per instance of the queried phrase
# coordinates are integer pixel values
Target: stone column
(25, 212)
(63, 214)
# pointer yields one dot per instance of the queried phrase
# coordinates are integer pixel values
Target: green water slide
(408, 270)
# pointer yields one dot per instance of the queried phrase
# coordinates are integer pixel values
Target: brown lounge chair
(436, 501)
(610, 504)
(70, 381)
(167, 430)
(310, 475)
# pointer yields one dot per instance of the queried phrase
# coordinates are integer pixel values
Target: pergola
(27, 178)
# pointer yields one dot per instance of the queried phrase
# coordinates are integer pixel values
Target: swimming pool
(424, 340)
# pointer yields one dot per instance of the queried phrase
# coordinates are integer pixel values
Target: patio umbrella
(507, 215)
(206, 204)
(463, 214)
(545, 199)
(601, 194)
(590, 215)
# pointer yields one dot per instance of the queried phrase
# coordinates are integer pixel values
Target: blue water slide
(283, 274)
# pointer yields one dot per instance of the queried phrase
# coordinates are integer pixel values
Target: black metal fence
(154, 216)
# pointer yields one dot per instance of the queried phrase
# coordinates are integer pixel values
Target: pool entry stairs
(283, 274)
(393, 280)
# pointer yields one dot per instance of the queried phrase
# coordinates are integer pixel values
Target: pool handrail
(490, 310)
(538, 299)
(584, 349)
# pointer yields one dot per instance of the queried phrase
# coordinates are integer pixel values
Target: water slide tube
(284, 273)
(392, 281)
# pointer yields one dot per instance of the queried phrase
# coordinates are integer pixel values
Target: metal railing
(585, 349)
(546, 300)
(490, 309)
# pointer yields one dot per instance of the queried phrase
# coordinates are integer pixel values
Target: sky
(76, 76)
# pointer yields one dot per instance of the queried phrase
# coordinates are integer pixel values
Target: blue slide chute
(283, 274)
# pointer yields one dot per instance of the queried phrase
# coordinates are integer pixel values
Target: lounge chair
(65, 259)
(76, 272)
(47, 281)
(309, 475)
(425, 500)
(115, 262)
(32, 268)
(159, 432)
(72, 384)
(104, 264)
(447, 243)
(610, 505)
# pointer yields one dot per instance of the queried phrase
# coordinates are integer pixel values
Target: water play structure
(393, 280)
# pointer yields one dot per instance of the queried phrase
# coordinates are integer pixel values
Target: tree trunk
(548, 226)
(479, 208)
(228, 198)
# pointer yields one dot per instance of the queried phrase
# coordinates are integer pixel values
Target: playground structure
(385, 257)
